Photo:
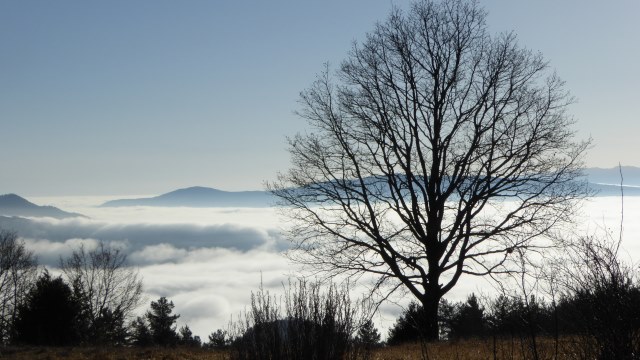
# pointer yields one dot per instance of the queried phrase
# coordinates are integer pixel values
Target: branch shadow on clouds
(146, 243)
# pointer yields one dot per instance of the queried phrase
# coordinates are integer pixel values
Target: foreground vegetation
(430, 122)
(592, 313)
(504, 348)
(507, 349)
(112, 353)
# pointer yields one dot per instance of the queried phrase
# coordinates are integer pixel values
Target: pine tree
(368, 335)
(162, 322)
(408, 326)
(140, 333)
(187, 338)
(469, 321)
(50, 315)
(218, 339)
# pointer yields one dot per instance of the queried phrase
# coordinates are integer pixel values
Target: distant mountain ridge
(14, 205)
(604, 181)
(199, 196)
(611, 176)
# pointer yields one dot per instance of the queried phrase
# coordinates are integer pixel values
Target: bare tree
(109, 290)
(18, 272)
(434, 151)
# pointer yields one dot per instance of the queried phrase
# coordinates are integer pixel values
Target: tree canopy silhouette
(107, 288)
(50, 314)
(162, 322)
(434, 151)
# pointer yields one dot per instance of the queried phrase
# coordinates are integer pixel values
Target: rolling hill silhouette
(14, 205)
(604, 181)
(198, 196)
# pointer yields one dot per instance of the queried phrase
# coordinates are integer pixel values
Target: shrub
(218, 339)
(601, 302)
(304, 324)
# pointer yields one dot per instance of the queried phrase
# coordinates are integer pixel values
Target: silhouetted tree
(447, 311)
(367, 339)
(18, 273)
(408, 326)
(49, 315)
(428, 125)
(455, 320)
(109, 328)
(506, 316)
(108, 289)
(511, 315)
(368, 334)
(186, 337)
(468, 319)
(218, 339)
(140, 334)
(162, 322)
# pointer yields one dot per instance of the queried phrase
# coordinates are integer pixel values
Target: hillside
(200, 197)
(604, 181)
(14, 205)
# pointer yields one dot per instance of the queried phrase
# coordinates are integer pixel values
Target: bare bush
(305, 323)
(600, 300)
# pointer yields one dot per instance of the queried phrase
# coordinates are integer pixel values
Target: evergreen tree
(368, 335)
(108, 328)
(186, 337)
(368, 338)
(140, 333)
(162, 322)
(408, 326)
(448, 311)
(50, 315)
(469, 319)
(218, 339)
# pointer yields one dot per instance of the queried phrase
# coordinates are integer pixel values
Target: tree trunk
(429, 323)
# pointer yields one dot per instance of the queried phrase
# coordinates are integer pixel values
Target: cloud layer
(147, 242)
(208, 261)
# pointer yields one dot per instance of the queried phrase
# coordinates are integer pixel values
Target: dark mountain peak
(15, 205)
(13, 200)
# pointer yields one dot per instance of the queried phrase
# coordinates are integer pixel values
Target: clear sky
(146, 96)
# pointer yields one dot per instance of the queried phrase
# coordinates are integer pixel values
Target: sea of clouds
(209, 260)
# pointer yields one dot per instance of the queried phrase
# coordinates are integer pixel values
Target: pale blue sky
(146, 96)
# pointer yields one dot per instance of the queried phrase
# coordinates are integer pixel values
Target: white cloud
(148, 242)
(157, 254)
(207, 291)
(49, 252)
